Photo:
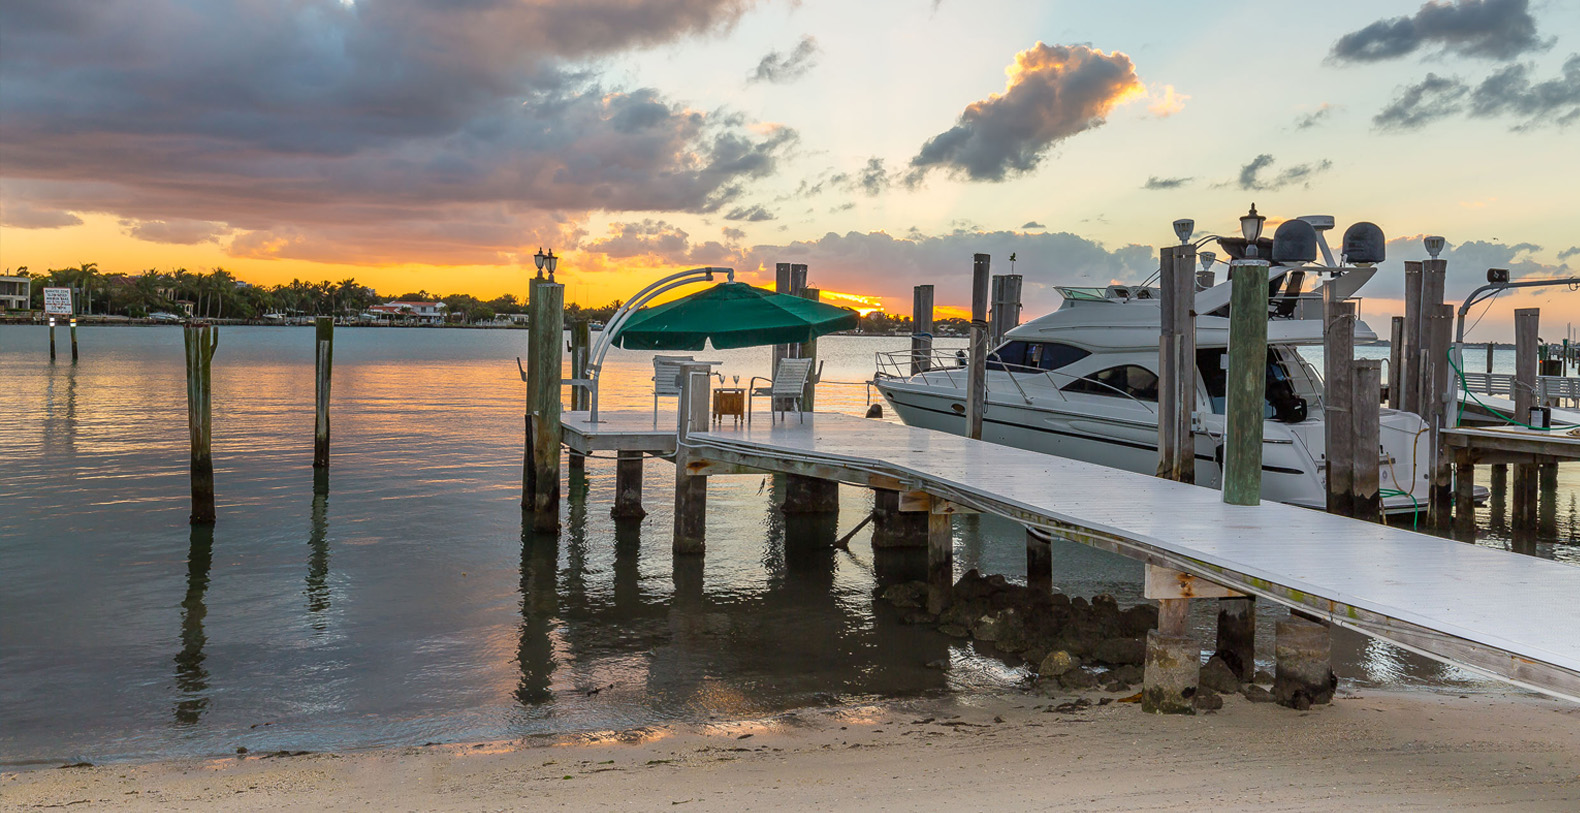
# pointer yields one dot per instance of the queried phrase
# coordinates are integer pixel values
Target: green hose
(1458, 419)
(1415, 516)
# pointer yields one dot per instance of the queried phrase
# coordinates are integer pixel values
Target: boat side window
(1282, 402)
(1052, 355)
(1010, 355)
(1215, 374)
(1129, 379)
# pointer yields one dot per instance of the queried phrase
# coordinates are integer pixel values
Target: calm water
(398, 600)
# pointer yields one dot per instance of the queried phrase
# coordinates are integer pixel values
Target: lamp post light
(1183, 229)
(540, 258)
(1251, 230)
(1434, 245)
(550, 262)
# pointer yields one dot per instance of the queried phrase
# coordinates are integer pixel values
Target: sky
(438, 144)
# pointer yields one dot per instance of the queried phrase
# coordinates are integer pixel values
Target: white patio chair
(788, 386)
(666, 379)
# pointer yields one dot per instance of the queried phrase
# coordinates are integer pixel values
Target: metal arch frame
(1478, 295)
(611, 332)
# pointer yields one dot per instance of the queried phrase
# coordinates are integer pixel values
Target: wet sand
(1004, 752)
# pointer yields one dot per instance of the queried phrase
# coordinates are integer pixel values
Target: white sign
(57, 301)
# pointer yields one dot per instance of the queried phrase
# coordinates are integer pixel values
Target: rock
(1116, 686)
(1034, 655)
(955, 631)
(941, 663)
(1129, 673)
(1300, 701)
(1257, 694)
(1263, 678)
(1207, 700)
(1057, 663)
(1134, 622)
(1217, 676)
(1076, 679)
(988, 628)
(1079, 604)
(1059, 601)
(917, 616)
(906, 595)
(1120, 651)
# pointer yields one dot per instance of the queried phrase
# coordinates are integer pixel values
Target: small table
(729, 401)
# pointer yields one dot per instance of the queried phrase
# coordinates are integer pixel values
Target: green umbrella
(731, 314)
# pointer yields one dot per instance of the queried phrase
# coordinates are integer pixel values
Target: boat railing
(898, 364)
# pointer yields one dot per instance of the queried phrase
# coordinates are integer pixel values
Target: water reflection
(191, 676)
(317, 591)
(540, 559)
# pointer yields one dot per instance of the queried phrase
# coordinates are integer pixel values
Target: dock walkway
(1507, 615)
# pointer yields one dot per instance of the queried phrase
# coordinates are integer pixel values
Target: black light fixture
(539, 258)
(1251, 230)
(550, 262)
(1496, 276)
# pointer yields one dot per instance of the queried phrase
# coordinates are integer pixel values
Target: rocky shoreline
(1072, 644)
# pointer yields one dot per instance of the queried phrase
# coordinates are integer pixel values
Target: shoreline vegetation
(1004, 751)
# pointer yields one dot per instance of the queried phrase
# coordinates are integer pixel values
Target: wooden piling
(1039, 563)
(1173, 661)
(1237, 635)
(1464, 496)
(1490, 346)
(1247, 384)
(1184, 306)
(1338, 362)
(940, 557)
(1005, 312)
(1395, 358)
(73, 340)
(1439, 332)
(529, 374)
(544, 341)
(201, 341)
(1410, 369)
(808, 350)
(1433, 280)
(1527, 322)
(323, 361)
(893, 528)
(52, 340)
(628, 486)
(1303, 672)
(691, 491)
(1366, 457)
(976, 387)
(810, 495)
(1168, 357)
(784, 283)
(581, 397)
(921, 329)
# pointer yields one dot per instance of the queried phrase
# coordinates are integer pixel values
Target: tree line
(218, 294)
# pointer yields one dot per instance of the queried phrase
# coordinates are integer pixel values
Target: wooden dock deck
(1502, 614)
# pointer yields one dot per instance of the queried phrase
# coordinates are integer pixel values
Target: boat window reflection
(1127, 379)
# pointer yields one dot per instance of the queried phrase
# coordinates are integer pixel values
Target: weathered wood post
(581, 399)
(73, 340)
(1365, 422)
(628, 486)
(808, 350)
(201, 341)
(529, 474)
(1395, 358)
(940, 556)
(893, 528)
(544, 340)
(1527, 322)
(1465, 495)
(1303, 655)
(1005, 312)
(1173, 661)
(784, 283)
(52, 340)
(1039, 562)
(691, 491)
(1434, 403)
(976, 387)
(323, 361)
(921, 329)
(1168, 356)
(1338, 361)
(1247, 383)
(1237, 635)
(1433, 279)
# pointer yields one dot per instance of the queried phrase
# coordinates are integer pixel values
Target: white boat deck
(1507, 615)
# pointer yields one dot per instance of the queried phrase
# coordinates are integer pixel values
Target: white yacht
(1082, 383)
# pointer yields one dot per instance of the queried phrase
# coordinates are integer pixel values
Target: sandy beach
(1004, 752)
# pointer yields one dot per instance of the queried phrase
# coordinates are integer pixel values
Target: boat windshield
(1083, 294)
(1281, 403)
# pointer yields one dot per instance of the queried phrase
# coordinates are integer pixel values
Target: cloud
(750, 214)
(1166, 102)
(1468, 262)
(20, 214)
(1572, 251)
(1508, 92)
(873, 178)
(1032, 224)
(779, 68)
(178, 232)
(1251, 177)
(1053, 93)
(395, 131)
(732, 233)
(1489, 29)
(638, 239)
(1306, 121)
(1155, 182)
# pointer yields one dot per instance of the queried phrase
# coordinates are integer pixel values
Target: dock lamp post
(1247, 383)
(546, 262)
